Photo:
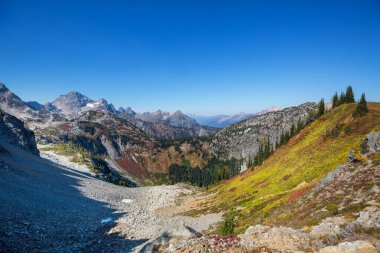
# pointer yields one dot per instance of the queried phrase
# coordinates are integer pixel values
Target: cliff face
(242, 139)
(12, 131)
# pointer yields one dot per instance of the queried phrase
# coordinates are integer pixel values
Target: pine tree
(342, 98)
(321, 107)
(362, 108)
(335, 100)
(299, 125)
(267, 148)
(282, 139)
(292, 130)
(350, 98)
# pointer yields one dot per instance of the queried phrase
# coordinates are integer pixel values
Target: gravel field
(49, 204)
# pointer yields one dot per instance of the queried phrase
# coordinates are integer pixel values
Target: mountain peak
(74, 94)
(10, 102)
(178, 112)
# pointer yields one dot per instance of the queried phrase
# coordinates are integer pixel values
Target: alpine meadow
(190, 126)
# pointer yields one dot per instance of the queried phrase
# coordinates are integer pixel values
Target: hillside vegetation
(291, 171)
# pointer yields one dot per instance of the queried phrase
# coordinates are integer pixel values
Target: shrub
(364, 146)
(332, 208)
(334, 133)
(362, 108)
(228, 226)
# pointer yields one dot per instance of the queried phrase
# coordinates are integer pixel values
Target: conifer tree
(335, 100)
(342, 98)
(362, 108)
(267, 148)
(350, 98)
(292, 130)
(282, 139)
(321, 107)
(299, 125)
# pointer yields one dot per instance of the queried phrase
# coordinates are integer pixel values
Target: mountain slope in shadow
(43, 209)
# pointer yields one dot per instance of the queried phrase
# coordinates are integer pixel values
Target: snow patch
(127, 201)
(106, 220)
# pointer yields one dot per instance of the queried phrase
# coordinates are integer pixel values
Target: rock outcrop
(373, 142)
(13, 132)
(350, 247)
(327, 237)
(242, 139)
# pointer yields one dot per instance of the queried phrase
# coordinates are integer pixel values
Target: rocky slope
(242, 139)
(49, 207)
(105, 136)
(13, 132)
(127, 149)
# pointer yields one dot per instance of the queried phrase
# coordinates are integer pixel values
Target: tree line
(215, 171)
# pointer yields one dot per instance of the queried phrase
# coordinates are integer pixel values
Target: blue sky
(202, 57)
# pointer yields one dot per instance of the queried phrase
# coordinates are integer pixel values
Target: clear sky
(202, 57)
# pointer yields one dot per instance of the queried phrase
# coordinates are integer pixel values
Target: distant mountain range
(74, 104)
(221, 121)
(160, 124)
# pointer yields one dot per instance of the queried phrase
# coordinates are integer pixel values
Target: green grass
(77, 154)
(332, 208)
(307, 157)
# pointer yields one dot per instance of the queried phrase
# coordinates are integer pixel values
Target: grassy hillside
(296, 167)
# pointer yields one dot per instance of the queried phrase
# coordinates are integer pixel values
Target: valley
(86, 177)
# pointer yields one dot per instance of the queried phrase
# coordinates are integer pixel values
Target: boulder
(281, 239)
(350, 247)
(373, 142)
(180, 232)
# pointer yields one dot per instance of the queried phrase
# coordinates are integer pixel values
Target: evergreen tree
(350, 98)
(342, 98)
(335, 100)
(292, 130)
(277, 144)
(321, 107)
(300, 125)
(266, 148)
(362, 108)
(282, 139)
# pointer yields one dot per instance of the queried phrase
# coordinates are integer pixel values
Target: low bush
(228, 226)
(332, 208)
